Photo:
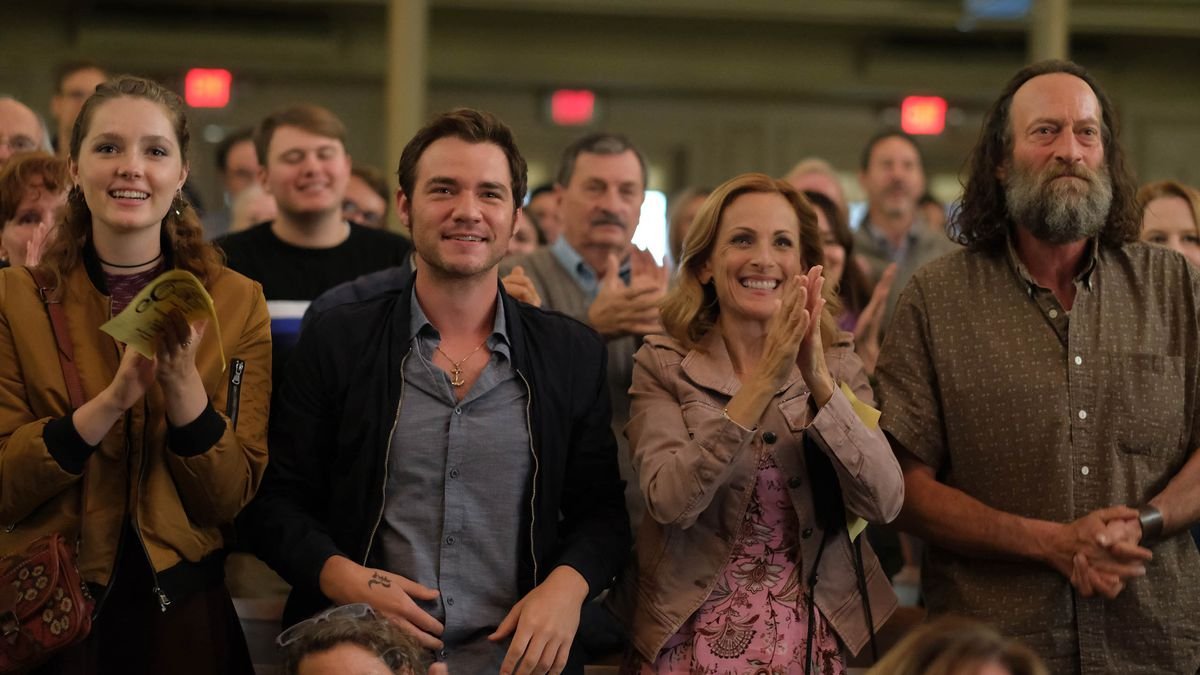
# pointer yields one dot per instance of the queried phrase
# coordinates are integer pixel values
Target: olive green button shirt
(1051, 414)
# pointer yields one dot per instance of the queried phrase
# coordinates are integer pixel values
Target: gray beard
(1058, 215)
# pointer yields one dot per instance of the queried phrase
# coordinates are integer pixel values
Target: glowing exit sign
(923, 115)
(572, 107)
(207, 87)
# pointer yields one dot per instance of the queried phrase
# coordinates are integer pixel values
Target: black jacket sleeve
(594, 531)
(284, 525)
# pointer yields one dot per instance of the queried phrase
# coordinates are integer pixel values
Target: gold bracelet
(725, 413)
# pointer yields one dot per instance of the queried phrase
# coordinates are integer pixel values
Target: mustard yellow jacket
(176, 499)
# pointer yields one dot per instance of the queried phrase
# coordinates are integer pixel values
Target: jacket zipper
(387, 462)
(536, 467)
(163, 600)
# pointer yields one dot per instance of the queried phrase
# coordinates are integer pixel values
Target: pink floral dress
(755, 621)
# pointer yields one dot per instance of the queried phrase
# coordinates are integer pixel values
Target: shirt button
(1083, 414)
(1053, 313)
(450, 601)
(442, 654)
(450, 540)
(1085, 471)
(769, 437)
(458, 411)
(795, 482)
(454, 473)
(1079, 360)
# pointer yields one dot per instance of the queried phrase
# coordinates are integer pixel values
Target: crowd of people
(510, 441)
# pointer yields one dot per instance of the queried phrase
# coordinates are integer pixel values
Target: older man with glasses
(20, 129)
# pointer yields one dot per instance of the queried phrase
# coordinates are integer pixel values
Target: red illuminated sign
(572, 107)
(923, 115)
(207, 87)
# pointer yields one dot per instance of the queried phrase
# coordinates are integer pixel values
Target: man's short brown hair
(472, 126)
(311, 118)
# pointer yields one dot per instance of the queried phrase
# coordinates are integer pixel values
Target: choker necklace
(456, 375)
(129, 267)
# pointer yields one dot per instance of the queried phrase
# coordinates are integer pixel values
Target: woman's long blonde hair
(691, 309)
(181, 226)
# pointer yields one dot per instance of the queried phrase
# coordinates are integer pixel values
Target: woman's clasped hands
(794, 336)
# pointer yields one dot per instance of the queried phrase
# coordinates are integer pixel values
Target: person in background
(1171, 217)
(892, 174)
(367, 197)
(543, 206)
(20, 129)
(681, 211)
(309, 247)
(527, 237)
(953, 645)
(238, 167)
(750, 453)
(813, 174)
(351, 640)
(253, 206)
(166, 467)
(74, 82)
(33, 189)
(861, 304)
(933, 212)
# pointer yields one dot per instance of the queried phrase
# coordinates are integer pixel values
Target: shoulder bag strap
(62, 336)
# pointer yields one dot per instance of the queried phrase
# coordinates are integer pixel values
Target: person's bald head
(20, 129)
(817, 175)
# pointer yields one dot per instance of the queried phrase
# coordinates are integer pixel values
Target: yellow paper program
(140, 323)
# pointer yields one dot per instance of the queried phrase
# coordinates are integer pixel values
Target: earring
(178, 205)
(76, 194)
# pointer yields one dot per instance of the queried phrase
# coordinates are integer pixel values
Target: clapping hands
(794, 336)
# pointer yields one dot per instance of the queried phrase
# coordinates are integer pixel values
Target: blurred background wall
(707, 88)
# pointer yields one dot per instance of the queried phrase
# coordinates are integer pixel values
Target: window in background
(651, 233)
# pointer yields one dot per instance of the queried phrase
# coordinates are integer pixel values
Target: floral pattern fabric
(755, 621)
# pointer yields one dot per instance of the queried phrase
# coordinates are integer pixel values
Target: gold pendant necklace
(456, 374)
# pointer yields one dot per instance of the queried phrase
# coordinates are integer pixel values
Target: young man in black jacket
(444, 452)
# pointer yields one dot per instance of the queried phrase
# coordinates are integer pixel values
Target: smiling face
(461, 214)
(130, 165)
(38, 205)
(306, 173)
(757, 249)
(1168, 221)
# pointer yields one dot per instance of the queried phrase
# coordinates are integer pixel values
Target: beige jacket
(177, 503)
(698, 469)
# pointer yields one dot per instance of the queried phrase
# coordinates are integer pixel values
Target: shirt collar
(580, 271)
(1091, 254)
(498, 341)
(882, 243)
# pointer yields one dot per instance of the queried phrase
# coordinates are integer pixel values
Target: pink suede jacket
(697, 470)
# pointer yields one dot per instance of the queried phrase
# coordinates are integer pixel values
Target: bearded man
(1040, 388)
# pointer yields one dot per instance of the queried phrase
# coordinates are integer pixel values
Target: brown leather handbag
(44, 603)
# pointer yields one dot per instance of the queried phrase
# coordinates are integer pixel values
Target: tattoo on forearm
(377, 578)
